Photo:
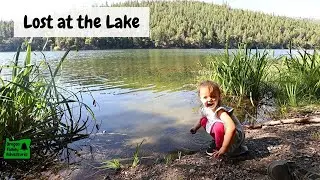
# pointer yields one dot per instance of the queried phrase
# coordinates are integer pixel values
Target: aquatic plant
(241, 74)
(136, 158)
(112, 164)
(291, 80)
(297, 82)
(32, 106)
(304, 70)
(291, 90)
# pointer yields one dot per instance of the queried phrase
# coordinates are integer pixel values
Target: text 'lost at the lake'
(83, 22)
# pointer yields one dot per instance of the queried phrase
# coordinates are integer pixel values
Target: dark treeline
(187, 24)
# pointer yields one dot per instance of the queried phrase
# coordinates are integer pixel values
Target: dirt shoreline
(299, 143)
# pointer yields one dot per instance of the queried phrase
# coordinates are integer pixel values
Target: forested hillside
(187, 24)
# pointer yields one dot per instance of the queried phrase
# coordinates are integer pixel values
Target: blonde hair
(213, 88)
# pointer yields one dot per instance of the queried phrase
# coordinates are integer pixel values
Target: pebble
(308, 156)
(270, 148)
(11, 178)
(192, 171)
(314, 164)
(54, 177)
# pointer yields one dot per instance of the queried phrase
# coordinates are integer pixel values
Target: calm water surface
(141, 94)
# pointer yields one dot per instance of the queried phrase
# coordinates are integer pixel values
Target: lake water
(141, 94)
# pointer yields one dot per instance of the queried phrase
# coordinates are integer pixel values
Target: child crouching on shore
(220, 122)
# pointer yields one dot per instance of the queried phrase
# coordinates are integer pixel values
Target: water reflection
(134, 70)
(142, 94)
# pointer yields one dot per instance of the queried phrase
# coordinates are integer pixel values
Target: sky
(291, 8)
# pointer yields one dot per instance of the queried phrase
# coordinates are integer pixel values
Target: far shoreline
(117, 49)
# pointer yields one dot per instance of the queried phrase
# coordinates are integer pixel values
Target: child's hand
(193, 130)
(221, 151)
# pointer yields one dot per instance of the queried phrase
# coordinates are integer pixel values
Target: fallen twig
(305, 120)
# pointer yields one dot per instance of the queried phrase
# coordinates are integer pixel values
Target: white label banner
(89, 22)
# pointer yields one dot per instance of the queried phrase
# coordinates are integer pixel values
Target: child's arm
(195, 128)
(230, 129)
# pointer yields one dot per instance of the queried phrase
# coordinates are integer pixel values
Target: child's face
(208, 99)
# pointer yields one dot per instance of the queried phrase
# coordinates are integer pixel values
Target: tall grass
(304, 70)
(33, 106)
(298, 79)
(291, 90)
(292, 80)
(241, 74)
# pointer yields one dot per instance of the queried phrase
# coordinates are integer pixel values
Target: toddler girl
(220, 122)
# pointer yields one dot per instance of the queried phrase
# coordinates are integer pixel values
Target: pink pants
(217, 131)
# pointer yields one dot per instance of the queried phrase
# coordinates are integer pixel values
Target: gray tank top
(213, 118)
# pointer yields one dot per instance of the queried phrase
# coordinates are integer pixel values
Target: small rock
(53, 177)
(314, 164)
(47, 173)
(11, 178)
(308, 156)
(270, 148)
(192, 171)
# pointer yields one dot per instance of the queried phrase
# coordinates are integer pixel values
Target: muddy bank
(300, 143)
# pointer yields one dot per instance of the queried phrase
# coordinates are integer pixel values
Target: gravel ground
(299, 143)
(291, 142)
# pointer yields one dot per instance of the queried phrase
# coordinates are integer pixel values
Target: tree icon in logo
(24, 147)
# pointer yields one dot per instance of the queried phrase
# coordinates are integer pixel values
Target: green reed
(241, 74)
(304, 70)
(298, 79)
(112, 164)
(292, 80)
(33, 106)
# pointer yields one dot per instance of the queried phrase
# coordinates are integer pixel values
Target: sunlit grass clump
(299, 79)
(241, 74)
(246, 77)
